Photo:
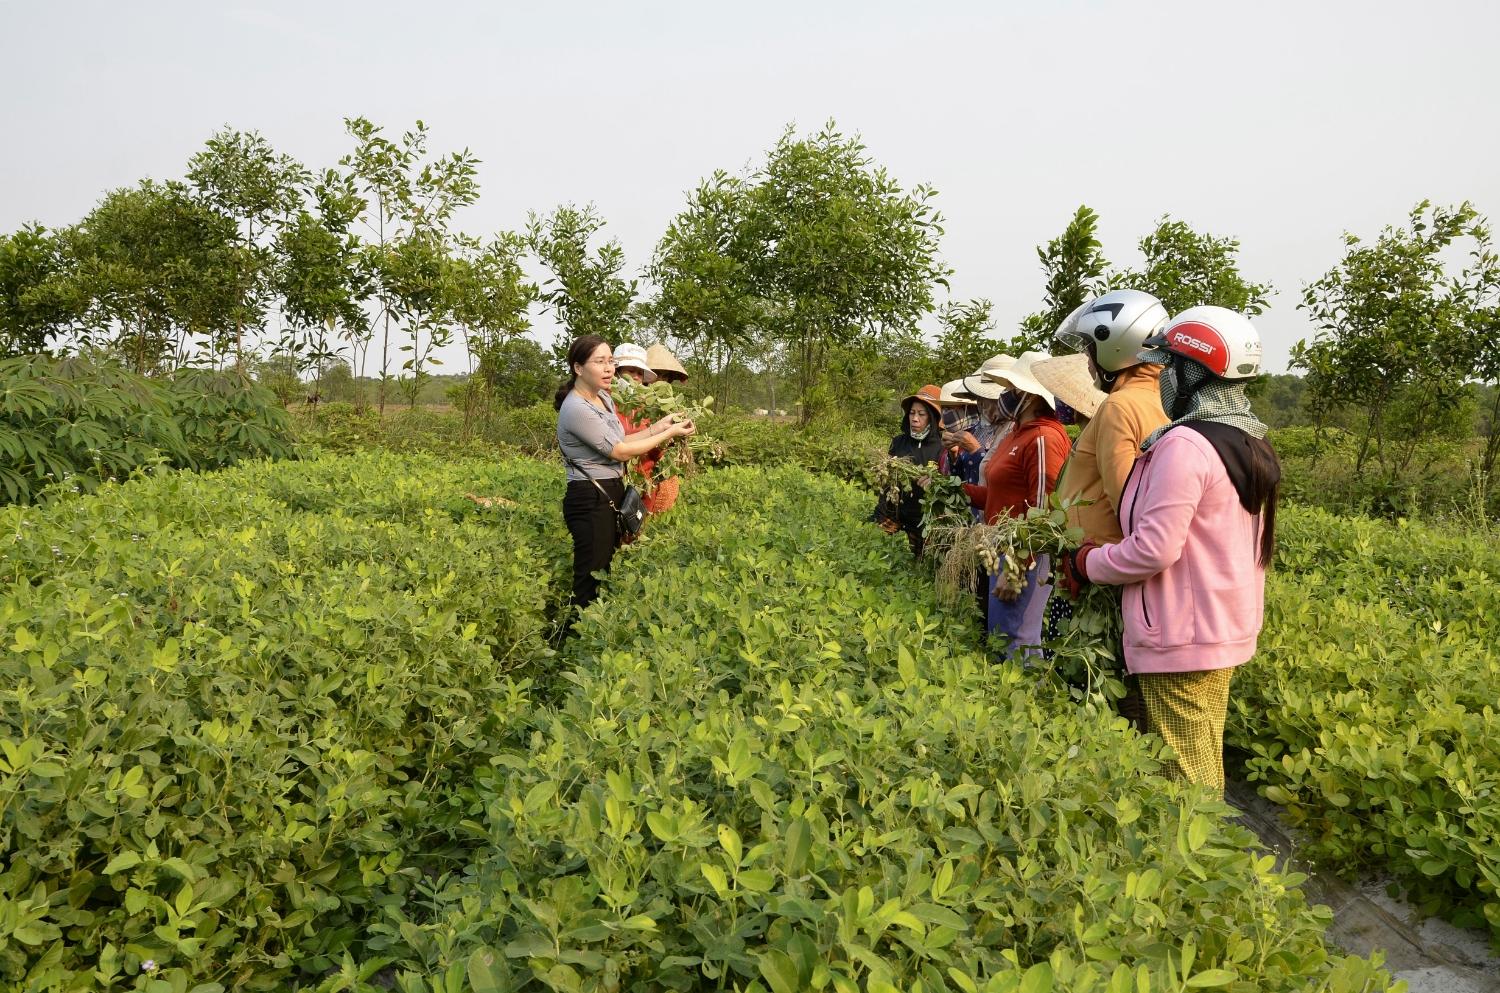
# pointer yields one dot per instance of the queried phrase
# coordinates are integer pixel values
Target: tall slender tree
(706, 302)
(585, 288)
(382, 169)
(488, 294)
(321, 276)
(837, 249)
(1076, 270)
(1399, 335)
(412, 200)
(239, 175)
(814, 250)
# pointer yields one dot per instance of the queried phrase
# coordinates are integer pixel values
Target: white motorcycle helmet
(1116, 325)
(1221, 340)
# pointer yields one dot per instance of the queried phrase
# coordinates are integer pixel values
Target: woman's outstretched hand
(673, 426)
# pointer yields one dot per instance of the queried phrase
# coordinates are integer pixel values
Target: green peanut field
(306, 726)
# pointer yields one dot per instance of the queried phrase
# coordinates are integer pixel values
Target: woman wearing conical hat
(1019, 474)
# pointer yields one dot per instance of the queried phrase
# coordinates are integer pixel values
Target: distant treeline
(812, 279)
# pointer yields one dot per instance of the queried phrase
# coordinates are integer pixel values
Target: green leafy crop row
(781, 767)
(1369, 711)
(299, 725)
(824, 446)
(239, 709)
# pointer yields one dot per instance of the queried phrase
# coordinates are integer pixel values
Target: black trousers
(591, 522)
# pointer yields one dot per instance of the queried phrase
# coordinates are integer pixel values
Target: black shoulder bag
(630, 514)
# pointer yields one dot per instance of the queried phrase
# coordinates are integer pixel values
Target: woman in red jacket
(645, 366)
(630, 360)
(1020, 474)
(664, 492)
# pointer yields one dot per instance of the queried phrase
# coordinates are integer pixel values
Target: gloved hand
(1074, 570)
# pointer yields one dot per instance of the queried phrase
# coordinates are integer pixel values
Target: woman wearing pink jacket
(1199, 516)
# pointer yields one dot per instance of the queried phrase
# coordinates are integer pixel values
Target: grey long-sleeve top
(587, 435)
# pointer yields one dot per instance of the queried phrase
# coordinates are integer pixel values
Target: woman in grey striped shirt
(596, 449)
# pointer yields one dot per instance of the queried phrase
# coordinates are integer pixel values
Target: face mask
(954, 421)
(1167, 387)
(1179, 384)
(1010, 403)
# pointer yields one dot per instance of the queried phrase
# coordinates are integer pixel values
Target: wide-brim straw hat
(665, 364)
(954, 394)
(929, 395)
(978, 382)
(1019, 376)
(1068, 377)
(629, 356)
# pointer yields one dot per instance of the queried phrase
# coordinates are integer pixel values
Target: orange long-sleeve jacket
(1107, 449)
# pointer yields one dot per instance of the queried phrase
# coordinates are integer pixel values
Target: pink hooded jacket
(1194, 587)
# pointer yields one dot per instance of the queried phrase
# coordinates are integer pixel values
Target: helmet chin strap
(1103, 379)
(1182, 401)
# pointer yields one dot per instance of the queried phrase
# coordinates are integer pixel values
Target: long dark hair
(1263, 494)
(578, 353)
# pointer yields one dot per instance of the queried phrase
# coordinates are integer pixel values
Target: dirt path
(1432, 955)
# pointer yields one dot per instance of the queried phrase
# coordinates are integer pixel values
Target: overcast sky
(1282, 124)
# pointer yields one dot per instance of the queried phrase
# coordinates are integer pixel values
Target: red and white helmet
(1115, 325)
(1219, 339)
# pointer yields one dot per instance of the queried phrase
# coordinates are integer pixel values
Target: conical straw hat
(665, 364)
(1068, 376)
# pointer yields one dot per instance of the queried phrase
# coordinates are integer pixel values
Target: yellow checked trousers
(1188, 710)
